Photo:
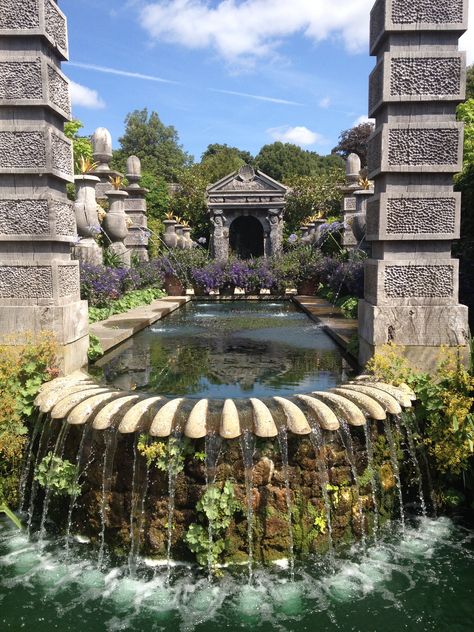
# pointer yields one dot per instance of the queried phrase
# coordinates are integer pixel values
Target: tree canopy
(283, 161)
(355, 141)
(156, 144)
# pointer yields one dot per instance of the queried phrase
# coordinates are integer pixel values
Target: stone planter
(308, 287)
(115, 225)
(188, 242)
(173, 286)
(180, 239)
(170, 237)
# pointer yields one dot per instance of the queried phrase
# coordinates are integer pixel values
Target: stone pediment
(249, 181)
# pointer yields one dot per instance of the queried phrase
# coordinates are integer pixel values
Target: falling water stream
(283, 441)
(213, 450)
(317, 441)
(173, 471)
(396, 469)
(41, 452)
(346, 438)
(110, 439)
(416, 465)
(39, 424)
(373, 482)
(247, 445)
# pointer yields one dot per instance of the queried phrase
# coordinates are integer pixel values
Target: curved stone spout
(79, 400)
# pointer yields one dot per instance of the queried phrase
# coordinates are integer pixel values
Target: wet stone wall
(124, 504)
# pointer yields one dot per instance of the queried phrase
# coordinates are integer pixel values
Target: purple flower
(292, 238)
(202, 241)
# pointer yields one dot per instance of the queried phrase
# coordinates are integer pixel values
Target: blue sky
(241, 72)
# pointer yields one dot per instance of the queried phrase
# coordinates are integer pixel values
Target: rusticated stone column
(353, 167)
(411, 282)
(39, 283)
(135, 208)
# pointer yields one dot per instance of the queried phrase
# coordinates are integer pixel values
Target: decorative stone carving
(349, 205)
(170, 237)
(26, 282)
(102, 154)
(115, 226)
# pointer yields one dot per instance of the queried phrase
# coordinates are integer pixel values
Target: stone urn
(311, 232)
(85, 206)
(102, 148)
(87, 249)
(115, 225)
(170, 237)
(188, 242)
(180, 240)
(304, 232)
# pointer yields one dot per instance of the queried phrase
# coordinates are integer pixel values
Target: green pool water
(229, 349)
(418, 581)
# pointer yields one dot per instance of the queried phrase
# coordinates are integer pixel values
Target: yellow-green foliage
(22, 371)
(445, 406)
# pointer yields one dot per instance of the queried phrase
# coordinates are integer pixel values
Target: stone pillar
(275, 221)
(220, 237)
(115, 226)
(411, 282)
(353, 167)
(39, 282)
(102, 153)
(135, 208)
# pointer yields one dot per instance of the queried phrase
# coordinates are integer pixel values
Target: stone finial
(102, 148)
(353, 167)
(134, 171)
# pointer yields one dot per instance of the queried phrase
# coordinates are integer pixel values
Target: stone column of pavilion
(411, 282)
(135, 208)
(39, 283)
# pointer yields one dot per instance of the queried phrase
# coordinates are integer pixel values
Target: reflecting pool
(228, 349)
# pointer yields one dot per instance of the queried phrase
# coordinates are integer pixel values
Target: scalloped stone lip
(79, 400)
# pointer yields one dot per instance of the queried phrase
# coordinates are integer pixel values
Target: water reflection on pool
(233, 349)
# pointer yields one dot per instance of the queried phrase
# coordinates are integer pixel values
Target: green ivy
(58, 475)
(95, 348)
(163, 453)
(217, 506)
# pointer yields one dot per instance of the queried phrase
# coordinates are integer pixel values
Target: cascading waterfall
(317, 441)
(57, 452)
(213, 450)
(283, 441)
(42, 447)
(108, 463)
(247, 445)
(373, 482)
(346, 438)
(396, 469)
(416, 465)
(135, 510)
(79, 472)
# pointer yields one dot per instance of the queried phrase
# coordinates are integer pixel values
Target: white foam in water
(288, 597)
(283, 563)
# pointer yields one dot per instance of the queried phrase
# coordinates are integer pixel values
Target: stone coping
(78, 400)
(120, 327)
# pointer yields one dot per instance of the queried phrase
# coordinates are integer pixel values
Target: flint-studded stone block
(35, 17)
(395, 16)
(414, 216)
(24, 282)
(349, 204)
(417, 77)
(136, 237)
(35, 150)
(37, 218)
(416, 148)
(32, 80)
(412, 282)
(138, 219)
(135, 204)
(415, 326)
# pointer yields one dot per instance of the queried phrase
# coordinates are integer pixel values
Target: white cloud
(257, 97)
(299, 135)
(254, 28)
(85, 97)
(363, 119)
(325, 103)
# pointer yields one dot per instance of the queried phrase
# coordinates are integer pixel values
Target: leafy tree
(156, 144)
(312, 195)
(354, 141)
(81, 145)
(283, 161)
(158, 202)
(189, 200)
(470, 82)
(465, 113)
(216, 148)
(215, 166)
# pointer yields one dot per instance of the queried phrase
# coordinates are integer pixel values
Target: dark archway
(246, 237)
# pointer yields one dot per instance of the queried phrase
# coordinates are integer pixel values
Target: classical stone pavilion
(246, 209)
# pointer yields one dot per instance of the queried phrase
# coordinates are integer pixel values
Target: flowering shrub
(211, 277)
